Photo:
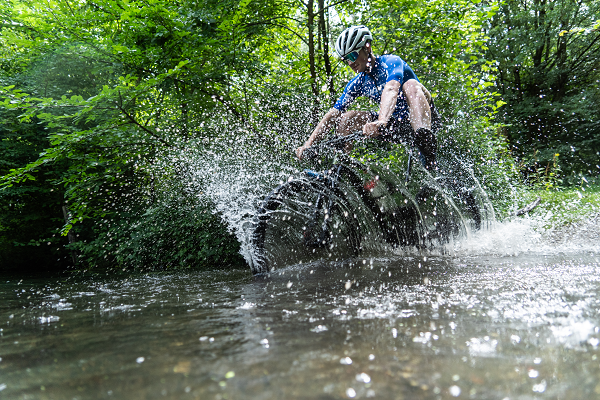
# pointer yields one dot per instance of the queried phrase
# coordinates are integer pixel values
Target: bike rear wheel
(303, 221)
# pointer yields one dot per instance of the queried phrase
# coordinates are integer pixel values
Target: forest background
(104, 103)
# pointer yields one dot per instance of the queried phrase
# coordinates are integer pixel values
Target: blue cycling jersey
(385, 69)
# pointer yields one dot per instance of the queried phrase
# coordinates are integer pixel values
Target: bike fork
(408, 165)
(317, 234)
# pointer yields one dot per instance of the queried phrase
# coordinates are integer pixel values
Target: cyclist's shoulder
(392, 60)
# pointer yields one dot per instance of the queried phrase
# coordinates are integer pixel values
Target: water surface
(462, 325)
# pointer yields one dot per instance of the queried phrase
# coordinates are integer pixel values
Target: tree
(113, 93)
(547, 55)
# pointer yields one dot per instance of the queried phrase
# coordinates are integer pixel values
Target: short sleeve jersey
(385, 69)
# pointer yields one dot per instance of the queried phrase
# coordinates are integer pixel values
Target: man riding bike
(406, 109)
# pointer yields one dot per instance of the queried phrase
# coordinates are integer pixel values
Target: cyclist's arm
(320, 131)
(389, 96)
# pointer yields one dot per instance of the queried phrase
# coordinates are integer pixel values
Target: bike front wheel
(303, 221)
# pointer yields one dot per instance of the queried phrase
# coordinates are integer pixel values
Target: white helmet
(353, 38)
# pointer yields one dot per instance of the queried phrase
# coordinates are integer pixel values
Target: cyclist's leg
(418, 99)
(436, 120)
(426, 142)
(401, 131)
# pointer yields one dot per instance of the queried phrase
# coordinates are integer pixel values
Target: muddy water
(478, 326)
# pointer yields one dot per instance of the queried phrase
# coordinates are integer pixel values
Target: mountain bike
(328, 212)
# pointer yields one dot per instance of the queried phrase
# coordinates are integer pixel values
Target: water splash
(532, 235)
(236, 175)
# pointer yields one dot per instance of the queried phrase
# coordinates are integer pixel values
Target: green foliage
(564, 207)
(96, 100)
(547, 54)
(174, 233)
(444, 43)
(548, 177)
(99, 101)
(30, 213)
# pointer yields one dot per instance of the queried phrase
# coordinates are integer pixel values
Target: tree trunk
(517, 74)
(70, 235)
(312, 62)
(540, 21)
(561, 56)
(311, 47)
(325, 47)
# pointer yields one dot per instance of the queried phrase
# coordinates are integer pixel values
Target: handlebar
(338, 143)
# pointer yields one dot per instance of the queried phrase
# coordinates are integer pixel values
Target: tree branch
(233, 110)
(289, 29)
(336, 3)
(135, 122)
(576, 62)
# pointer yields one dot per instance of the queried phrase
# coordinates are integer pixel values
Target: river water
(507, 314)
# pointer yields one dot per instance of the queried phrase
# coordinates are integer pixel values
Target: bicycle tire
(399, 225)
(290, 224)
(466, 200)
(441, 219)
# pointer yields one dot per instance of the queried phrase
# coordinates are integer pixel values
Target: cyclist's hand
(371, 129)
(300, 150)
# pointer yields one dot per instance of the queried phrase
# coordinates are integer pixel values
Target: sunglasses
(350, 57)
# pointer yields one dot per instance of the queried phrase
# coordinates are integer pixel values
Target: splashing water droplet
(454, 391)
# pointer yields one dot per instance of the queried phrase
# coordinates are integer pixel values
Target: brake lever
(310, 153)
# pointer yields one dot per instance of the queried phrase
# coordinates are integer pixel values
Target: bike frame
(401, 223)
(332, 176)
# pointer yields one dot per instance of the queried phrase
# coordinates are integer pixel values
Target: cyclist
(406, 110)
